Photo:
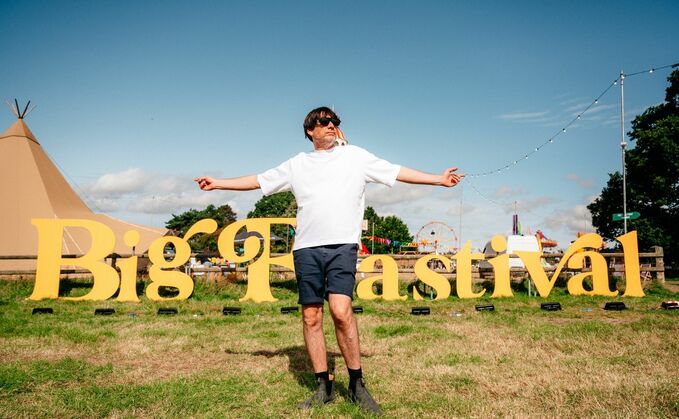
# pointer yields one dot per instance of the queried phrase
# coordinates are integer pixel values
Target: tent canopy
(32, 187)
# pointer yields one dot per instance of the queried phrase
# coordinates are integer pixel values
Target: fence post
(659, 263)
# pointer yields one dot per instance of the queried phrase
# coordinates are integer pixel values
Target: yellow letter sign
(257, 251)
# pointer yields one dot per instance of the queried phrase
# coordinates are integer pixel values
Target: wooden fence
(651, 264)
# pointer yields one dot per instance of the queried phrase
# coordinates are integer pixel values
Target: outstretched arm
(243, 183)
(448, 179)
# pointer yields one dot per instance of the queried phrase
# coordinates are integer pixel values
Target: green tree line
(283, 205)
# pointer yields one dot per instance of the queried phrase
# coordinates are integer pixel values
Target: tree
(281, 205)
(181, 223)
(608, 203)
(390, 227)
(394, 229)
(652, 179)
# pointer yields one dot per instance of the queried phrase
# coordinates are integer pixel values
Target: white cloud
(518, 116)
(600, 108)
(534, 203)
(506, 191)
(102, 204)
(573, 220)
(583, 182)
(572, 101)
(174, 184)
(561, 116)
(454, 210)
(113, 184)
(400, 193)
(577, 108)
(174, 203)
(591, 198)
(135, 191)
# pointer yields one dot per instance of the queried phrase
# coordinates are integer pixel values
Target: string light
(652, 70)
(578, 117)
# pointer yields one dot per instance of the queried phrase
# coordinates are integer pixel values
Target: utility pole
(459, 236)
(372, 251)
(623, 147)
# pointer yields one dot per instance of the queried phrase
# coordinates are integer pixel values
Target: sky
(136, 99)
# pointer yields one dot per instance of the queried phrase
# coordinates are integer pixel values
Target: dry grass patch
(516, 361)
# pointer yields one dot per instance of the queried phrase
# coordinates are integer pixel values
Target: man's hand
(206, 183)
(450, 178)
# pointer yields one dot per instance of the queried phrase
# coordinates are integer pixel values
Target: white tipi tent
(32, 187)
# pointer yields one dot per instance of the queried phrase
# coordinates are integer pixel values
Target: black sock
(354, 376)
(323, 374)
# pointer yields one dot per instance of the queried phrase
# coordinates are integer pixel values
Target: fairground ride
(437, 237)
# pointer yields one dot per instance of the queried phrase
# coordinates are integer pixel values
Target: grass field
(516, 361)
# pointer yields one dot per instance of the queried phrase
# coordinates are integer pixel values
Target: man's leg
(314, 339)
(346, 329)
(310, 275)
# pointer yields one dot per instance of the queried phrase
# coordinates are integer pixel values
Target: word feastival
(107, 281)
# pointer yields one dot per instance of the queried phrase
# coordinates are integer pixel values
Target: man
(329, 186)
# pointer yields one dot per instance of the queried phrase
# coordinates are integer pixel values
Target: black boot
(361, 397)
(325, 393)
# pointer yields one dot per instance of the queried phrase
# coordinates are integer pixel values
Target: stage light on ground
(167, 310)
(230, 311)
(42, 310)
(420, 311)
(485, 307)
(550, 306)
(104, 311)
(357, 310)
(288, 310)
(615, 306)
(670, 305)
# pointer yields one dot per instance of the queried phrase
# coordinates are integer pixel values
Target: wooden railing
(651, 263)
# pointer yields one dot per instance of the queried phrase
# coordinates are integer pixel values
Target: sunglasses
(324, 122)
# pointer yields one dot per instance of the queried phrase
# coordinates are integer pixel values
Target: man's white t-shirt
(329, 187)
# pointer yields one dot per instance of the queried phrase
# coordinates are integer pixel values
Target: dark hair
(312, 118)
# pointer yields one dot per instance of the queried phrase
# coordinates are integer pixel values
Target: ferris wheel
(436, 237)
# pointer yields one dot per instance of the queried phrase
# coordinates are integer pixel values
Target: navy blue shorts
(324, 270)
